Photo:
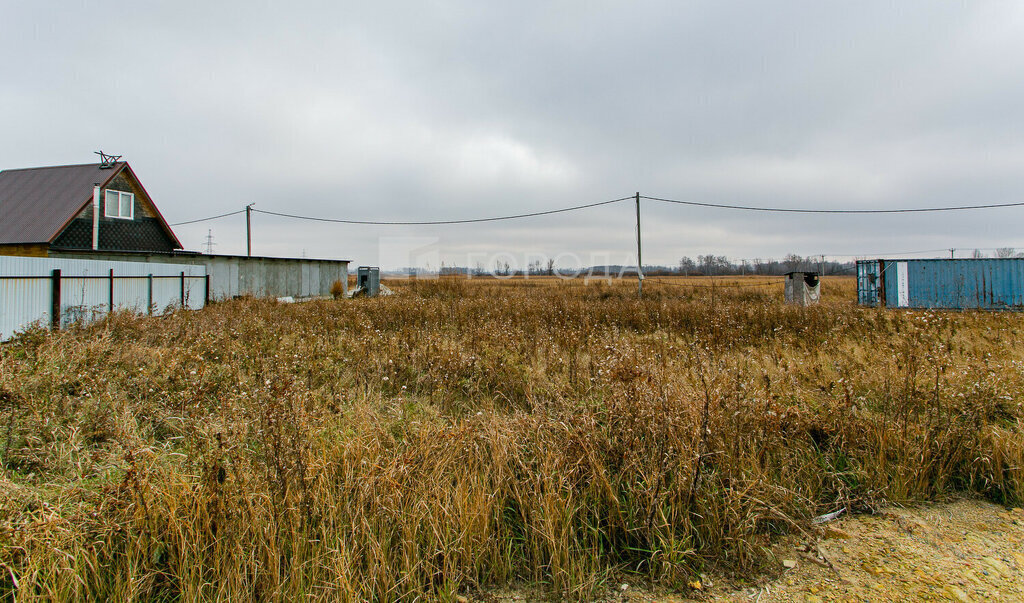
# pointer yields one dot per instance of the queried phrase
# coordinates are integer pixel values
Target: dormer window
(119, 205)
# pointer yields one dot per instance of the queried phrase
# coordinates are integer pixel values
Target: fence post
(55, 299)
(111, 291)
(182, 290)
(149, 294)
(881, 284)
(206, 298)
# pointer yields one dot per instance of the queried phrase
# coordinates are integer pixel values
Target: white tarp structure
(803, 288)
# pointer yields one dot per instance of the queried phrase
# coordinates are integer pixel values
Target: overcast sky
(460, 109)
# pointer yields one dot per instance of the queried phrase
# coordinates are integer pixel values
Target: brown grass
(468, 434)
(337, 289)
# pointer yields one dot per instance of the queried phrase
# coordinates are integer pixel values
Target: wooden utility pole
(639, 256)
(248, 230)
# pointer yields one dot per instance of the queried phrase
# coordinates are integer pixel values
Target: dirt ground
(960, 551)
(966, 550)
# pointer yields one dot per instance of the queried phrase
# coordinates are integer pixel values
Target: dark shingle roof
(37, 203)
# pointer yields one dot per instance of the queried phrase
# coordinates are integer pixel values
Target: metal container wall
(984, 283)
(231, 276)
(868, 289)
(24, 302)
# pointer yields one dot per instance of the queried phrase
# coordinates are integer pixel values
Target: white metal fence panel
(27, 301)
(166, 294)
(81, 299)
(21, 301)
(131, 293)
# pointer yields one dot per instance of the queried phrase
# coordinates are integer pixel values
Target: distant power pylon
(209, 242)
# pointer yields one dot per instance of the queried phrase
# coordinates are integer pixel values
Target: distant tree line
(702, 265)
(1002, 252)
(719, 265)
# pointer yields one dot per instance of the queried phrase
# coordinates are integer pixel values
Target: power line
(436, 222)
(834, 211)
(857, 255)
(720, 286)
(589, 205)
(249, 209)
(984, 248)
(836, 257)
(210, 218)
(813, 257)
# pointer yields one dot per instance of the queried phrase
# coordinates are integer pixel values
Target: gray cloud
(459, 109)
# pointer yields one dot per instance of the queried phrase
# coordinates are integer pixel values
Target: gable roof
(36, 204)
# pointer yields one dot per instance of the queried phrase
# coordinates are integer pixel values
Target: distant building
(97, 207)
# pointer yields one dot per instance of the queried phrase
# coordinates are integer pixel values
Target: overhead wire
(241, 211)
(833, 211)
(437, 222)
(857, 255)
(609, 202)
(631, 197)
(713, 286)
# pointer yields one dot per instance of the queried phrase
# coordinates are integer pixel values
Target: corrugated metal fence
(232, 275)
(983, 283)
(54, 292)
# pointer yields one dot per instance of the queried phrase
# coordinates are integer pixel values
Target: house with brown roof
(96, 207)
(101, 212)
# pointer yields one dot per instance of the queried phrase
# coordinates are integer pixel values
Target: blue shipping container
(986, 284)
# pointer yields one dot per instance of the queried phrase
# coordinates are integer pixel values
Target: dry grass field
(463, 435)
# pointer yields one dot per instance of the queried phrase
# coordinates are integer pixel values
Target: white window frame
(120, 195)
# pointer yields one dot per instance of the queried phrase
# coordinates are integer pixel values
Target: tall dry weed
(462, 435)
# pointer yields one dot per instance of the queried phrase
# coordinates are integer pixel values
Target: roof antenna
(107, 161)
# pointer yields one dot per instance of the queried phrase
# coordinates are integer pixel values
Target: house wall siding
(34, 250)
